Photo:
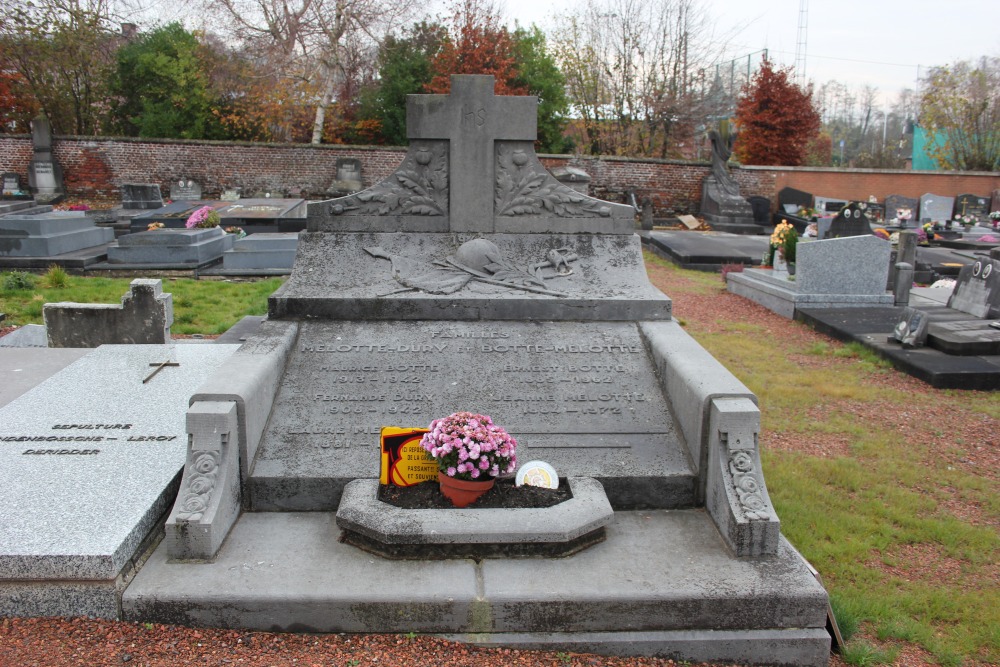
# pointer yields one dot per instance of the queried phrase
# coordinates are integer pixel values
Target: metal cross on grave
(471, 118)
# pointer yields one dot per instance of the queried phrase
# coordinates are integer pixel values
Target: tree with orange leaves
(776, 118)
(479, 44)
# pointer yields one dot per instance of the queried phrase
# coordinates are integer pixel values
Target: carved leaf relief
(418, 187)
(524, 188)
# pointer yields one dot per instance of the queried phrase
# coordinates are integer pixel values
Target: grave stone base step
(664, 576)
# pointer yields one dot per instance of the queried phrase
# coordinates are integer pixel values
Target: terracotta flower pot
(462, 492)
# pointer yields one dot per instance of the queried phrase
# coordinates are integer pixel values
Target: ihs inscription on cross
(471, 118)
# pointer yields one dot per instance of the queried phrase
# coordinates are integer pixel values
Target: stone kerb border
(389, 531)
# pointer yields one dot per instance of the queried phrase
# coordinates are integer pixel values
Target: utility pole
(800, 42)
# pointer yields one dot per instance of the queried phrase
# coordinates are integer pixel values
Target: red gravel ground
(51, 642)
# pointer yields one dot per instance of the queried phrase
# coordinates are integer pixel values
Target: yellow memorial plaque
(404, 461)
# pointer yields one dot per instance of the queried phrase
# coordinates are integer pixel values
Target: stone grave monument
(847, 272)
(902, 209)
(852, 220)
(722, 206)
(141, 196)
(348, 179)
(936, 208)
(185, 189)
(470, 279)
(89, 462)
(68, 238)
(12, 187)
(44, 174)
(975, 205)
(170, 248)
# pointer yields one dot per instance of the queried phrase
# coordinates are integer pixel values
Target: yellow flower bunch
(781, 233)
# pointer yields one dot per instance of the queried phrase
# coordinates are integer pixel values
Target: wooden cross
(159, 367)
(471, 118)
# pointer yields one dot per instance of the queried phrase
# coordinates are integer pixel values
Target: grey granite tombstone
(141, 196)
(185, 189)
(850, 221)
(471, 279)
(44, 174)
(572, 177)
(232, 194)
(902, 209)
(165, 248)
(348, 178)
(49, 234)
(722, 206)
(89, 462)
(936, 208)
(977, 290)
(144, 316)
(975, 205)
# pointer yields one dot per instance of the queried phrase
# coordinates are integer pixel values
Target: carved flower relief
(742, 461)
(522, 189)
(741, 467)
(198, 491)
(418, 187)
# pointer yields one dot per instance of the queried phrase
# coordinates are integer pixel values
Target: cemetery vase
(463, 492)
(791, 268)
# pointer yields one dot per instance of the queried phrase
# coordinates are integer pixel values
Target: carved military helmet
(479, 255)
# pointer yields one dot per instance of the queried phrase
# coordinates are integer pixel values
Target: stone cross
(472, 118)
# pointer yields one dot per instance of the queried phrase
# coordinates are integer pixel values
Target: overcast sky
(883, 43)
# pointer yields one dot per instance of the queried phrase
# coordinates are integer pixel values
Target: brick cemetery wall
(96, 168)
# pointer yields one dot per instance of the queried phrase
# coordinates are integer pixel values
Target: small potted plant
(471, 452)
(205, 217)
(995, 219)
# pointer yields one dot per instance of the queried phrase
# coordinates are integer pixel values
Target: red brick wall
(96, 167)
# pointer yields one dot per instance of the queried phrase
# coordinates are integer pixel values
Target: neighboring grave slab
(143, 316)
(171, 248)
(262, 252)
(141, 196)
(185, 190)
(251, 215)
(936, 208)
(83, 482)
(50, 234)
(977, 290)
(976, 205)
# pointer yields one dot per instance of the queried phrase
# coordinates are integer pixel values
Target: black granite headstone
(976, 205)
(851, 221)
(911, 330)
(141, 196)
(793, 197)
(761, 208)
(903, 209)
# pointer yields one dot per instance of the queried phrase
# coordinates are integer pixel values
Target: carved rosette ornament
(418, 187)
(197, 493)
(744, 479)
(523, 187)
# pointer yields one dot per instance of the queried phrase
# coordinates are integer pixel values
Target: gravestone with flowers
(472, 280)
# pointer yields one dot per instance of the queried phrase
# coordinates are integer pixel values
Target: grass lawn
(886, 485)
